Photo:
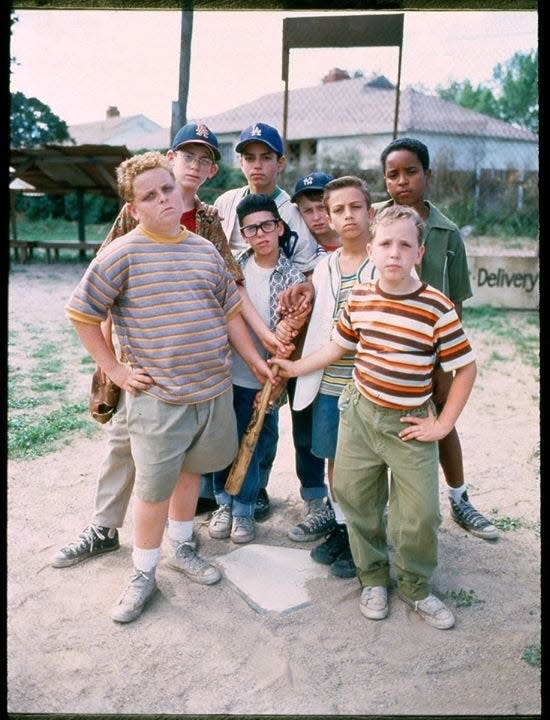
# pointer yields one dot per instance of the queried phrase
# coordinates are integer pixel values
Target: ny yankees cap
(196, 133)
(311, 181)
(260, 132)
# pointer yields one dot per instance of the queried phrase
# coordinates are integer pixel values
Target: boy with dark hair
(407, 173)
(267, 272)
(308, 196)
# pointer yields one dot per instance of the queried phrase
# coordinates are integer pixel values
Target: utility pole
(179, 108)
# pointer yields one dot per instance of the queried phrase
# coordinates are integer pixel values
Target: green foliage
(532, 655)
(464, 598)
(508, 524)
(496, 321)
(516, 95)
(32, 435)
(33, 123)
(225, 179)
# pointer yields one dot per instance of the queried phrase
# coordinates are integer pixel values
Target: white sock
(456, 493)
(180, 530)
(145, 559)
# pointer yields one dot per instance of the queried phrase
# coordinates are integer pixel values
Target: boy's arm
(325, 355)
(240, 339)
(133, 380)
(268, 339)
(435, 428)
(124, 222)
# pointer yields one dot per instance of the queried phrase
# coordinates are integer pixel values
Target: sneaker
(93, 540)
(335, 543)
(185, 558)
(263, 506)
(374, 602)
(465, 514)
(130, 604)
(219, 527)
(343, 566)
(318, 521)
(433, 611)
(243, 530)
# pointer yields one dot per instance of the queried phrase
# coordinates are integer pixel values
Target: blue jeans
(310, 469)
(244, 502)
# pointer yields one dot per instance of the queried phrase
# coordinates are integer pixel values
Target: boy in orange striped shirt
(399, 326)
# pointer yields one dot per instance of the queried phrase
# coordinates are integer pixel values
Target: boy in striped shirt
(175, 308)
(399, 327)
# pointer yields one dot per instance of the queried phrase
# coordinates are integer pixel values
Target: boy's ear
(421, 251)
(133, 211)
(371, 212)
(213, 171)
(281, 163)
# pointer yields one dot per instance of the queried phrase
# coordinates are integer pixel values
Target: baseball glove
(103, 398)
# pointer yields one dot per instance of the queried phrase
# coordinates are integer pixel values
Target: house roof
(355, 107)
(65, 168)
(137, 132)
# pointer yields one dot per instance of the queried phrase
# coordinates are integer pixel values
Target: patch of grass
(46, 350)
(507, 523)
(532, 655)
(48, 385)
(24, 403)
(30, 436)
(464, 598)
(495, 321)
(87, 360)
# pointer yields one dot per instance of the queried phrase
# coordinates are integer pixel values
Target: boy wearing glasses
(267, 272)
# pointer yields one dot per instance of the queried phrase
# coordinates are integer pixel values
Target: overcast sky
(81, 62)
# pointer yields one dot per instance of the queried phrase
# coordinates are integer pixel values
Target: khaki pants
(117, 472)
(369, 445)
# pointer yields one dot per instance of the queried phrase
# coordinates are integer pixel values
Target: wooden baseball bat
(249, 440)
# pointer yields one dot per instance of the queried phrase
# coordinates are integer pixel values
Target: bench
(22, 248)
(27, 247)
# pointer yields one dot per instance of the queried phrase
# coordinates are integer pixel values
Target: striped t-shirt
(170, 300)
(397, 339)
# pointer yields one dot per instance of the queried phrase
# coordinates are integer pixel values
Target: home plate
(271, 579)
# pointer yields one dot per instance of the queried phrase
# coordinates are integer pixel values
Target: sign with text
(505, 281)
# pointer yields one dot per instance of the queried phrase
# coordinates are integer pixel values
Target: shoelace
(187, 553)
(132, 590)
(222, 515)
(470, 514)
(317, 518)
(87, 537)
(431, 605)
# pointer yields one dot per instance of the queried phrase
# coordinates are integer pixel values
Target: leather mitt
(103, 398)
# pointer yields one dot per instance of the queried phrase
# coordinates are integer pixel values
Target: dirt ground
(203, 650)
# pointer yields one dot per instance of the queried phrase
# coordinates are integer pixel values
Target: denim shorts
(324, 431)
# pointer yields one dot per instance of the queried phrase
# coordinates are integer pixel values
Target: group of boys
(169, 362)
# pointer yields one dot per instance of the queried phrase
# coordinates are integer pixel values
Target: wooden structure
(54, 169)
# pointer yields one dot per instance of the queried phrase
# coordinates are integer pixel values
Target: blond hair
(398, 212)
(129, 169)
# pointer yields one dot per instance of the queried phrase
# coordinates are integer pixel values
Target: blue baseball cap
(311, 181)
(196, 133)
(260, 132)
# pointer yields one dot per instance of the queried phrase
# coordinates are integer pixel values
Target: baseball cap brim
(215, 152)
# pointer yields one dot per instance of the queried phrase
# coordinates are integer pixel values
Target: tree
(33, 123)
(515, 97)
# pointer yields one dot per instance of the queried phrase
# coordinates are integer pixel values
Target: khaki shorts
(166, 439)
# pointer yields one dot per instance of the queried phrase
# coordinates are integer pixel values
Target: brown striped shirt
(398, 339)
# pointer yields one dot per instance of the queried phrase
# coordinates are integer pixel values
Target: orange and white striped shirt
(397, 339)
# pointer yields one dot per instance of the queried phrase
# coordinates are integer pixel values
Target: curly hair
(129, 169)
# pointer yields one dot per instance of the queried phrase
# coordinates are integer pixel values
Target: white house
(137, 132)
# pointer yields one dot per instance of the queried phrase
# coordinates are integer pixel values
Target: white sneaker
(220, 523)
(131, 602)
(243, 529)
(433, 611)
(374, 602)
(185, 558)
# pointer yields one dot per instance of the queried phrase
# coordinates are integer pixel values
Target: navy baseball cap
(196, 133)
(311, 181)
(260, 132)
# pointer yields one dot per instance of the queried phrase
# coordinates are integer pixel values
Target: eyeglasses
(190, 159)
(267, 226)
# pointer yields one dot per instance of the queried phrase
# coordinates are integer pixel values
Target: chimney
(112, 112)
(336, 74)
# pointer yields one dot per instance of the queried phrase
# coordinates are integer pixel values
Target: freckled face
(395, 251)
